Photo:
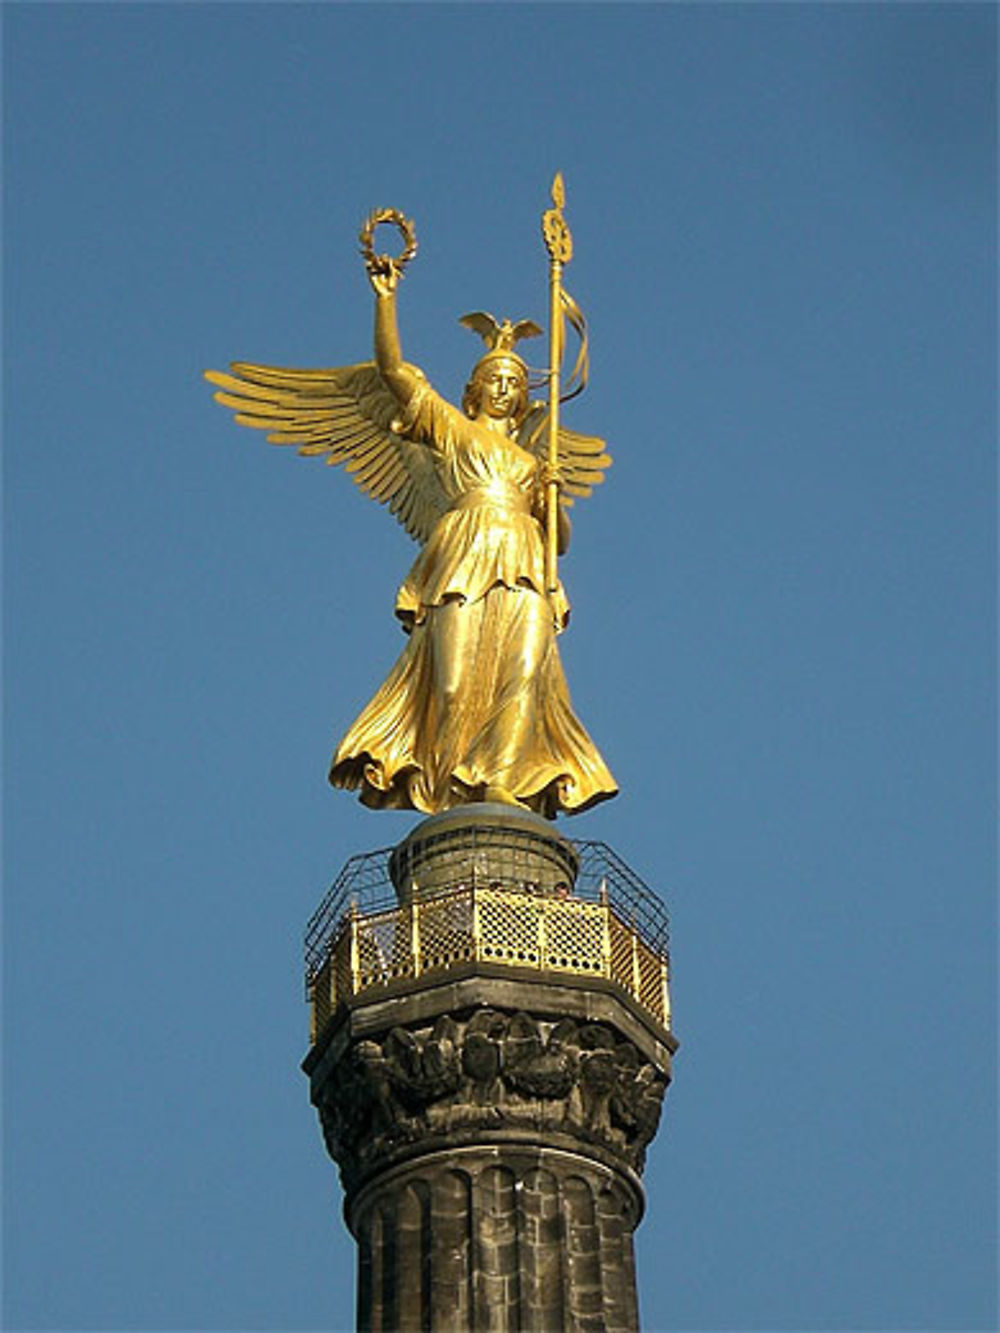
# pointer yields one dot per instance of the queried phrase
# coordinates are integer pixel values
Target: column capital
(488, 1074)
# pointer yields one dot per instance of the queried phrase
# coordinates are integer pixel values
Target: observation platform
(487, 888)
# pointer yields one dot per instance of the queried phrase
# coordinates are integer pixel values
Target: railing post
(636, 975)
(476, 938)
(355, 953)
(666, 993)
(605, 931)
(415, 936)
(325, 985)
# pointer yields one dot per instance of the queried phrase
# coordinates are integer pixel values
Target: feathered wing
(582, 458)
(345, 414)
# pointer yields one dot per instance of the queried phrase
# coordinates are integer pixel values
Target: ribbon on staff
(576, 382)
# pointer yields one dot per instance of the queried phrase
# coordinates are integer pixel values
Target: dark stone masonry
(490, 1126)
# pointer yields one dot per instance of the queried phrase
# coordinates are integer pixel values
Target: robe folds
(478, 698)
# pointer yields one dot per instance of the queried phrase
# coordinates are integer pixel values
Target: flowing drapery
(478, 699)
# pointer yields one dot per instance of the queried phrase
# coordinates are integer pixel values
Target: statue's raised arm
(345, 415)
(384, 273)
(476, 707)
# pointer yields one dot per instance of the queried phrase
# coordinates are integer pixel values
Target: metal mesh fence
(364, 885)
(606, 924)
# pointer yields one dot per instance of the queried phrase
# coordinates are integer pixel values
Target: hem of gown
(397, 794)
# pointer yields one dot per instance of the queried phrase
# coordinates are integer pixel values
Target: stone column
(490, 1124)
(497, 1238)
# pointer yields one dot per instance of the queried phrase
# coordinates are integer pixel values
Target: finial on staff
(558, 240)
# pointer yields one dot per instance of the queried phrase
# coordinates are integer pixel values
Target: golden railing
(490, 925)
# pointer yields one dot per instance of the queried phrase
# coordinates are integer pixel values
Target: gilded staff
(559, 244)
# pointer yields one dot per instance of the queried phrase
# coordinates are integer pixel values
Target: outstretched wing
(582, 458)
(347, 415)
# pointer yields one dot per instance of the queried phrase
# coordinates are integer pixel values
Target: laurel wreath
(379, 263)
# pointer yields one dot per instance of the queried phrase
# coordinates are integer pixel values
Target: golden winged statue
(476, 708)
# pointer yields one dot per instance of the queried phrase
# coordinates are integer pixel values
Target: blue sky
(782, 637)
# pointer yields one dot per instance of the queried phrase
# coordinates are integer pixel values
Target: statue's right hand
(382, 274)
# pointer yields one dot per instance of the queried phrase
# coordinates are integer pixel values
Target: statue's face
(501, 389)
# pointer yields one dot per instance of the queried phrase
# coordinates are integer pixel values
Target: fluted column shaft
(497, 1241)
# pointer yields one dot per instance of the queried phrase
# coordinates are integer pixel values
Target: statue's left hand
(548, 473)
